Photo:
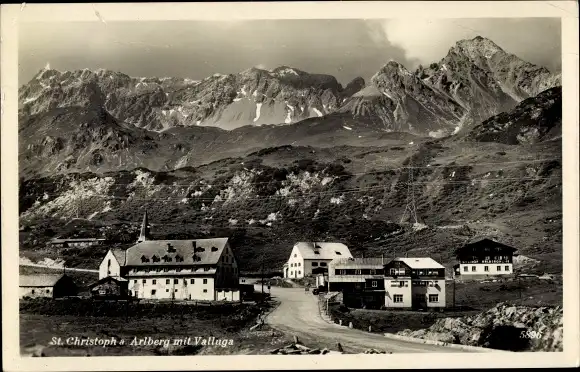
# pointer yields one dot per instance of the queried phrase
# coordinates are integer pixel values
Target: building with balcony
(416, 283)
(361, 281)
(483, 258)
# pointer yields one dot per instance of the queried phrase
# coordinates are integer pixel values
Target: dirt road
(298, 315)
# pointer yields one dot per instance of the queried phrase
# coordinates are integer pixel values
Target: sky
(345, 48)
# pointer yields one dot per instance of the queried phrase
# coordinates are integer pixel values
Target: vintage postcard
(289, 185)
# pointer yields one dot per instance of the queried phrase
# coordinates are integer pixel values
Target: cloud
(536, 40)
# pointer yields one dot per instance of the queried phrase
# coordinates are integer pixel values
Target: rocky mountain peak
(477, 47)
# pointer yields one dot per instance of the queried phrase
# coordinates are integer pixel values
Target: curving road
(298, 314)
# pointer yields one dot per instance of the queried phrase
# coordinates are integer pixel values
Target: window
(465, 268)
(291, 272)
(144, 281)
(178, 258)
(226, 290)
(398, 298)
(32, 291)
(433, 298)
(206, 269)
(167, 281)
(338, 253)
(299, 272)
(499, 268)
(143, 259)
(154, 281)
(401, 284)
(299, 264)
(486, 268)
(295, 255)
(176, 290)
(109, 262)
(214, 249)
(155, 259)
(165, 269)
(205, 281)
(178, 269)
(316, 252)
(192, 281)
(153, 291)
(374, 284)
(323, 264)
(472, 268)
(205, 291)
(507, 268)
(175, 281)
(167, 290)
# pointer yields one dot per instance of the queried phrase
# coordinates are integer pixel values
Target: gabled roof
(207, 252)
(326, 251)
(420, 262)
(40, 280)
(478, 243)
(119, 256)
(108, 278)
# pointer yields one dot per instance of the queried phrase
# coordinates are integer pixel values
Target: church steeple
(144, 234)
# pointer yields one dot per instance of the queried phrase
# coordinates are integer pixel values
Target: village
(205, 270)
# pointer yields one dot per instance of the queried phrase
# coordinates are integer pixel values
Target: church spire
(144, 234)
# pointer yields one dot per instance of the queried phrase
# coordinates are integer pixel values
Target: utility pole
(453, 291)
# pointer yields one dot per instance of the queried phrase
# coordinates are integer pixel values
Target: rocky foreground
(506, 327)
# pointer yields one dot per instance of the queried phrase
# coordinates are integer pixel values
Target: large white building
(199, 269)
(306, 256)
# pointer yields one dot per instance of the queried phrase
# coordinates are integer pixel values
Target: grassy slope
(504, 202)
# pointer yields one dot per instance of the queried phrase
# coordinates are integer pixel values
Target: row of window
(485, 268)
(164, 269)
(47, 291)
(154, 291)
(323, 264)
(398, 298)
(475, 258)
(168, 281)
(358, 272)
(392, 272)
(297, 272)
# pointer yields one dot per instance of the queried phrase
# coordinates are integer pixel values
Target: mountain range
(85, 120)
(275, 156)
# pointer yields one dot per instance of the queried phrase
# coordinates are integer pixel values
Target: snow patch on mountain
(258, 109)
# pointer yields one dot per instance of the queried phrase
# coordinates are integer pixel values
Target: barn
(45, 285)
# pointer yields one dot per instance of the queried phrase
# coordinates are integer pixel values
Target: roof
(40, 280)
(483, 242)
(76, 240)
(119, 256)
(367, 262)
(326, 251)
(207, 252)
(117, 279)
(420, 262)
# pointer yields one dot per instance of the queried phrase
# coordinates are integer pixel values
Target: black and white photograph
(290, 186)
